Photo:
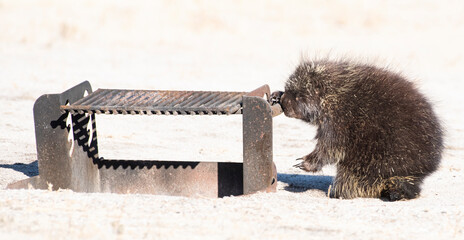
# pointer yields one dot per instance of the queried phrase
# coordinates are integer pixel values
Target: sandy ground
(50, 46)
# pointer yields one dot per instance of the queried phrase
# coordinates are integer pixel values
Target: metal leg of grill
(259, 173)
(64, 154)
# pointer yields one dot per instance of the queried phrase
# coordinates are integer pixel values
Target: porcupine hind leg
(398, 188)
(347, 186)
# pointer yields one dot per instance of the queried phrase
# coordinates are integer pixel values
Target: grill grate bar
(148, 102)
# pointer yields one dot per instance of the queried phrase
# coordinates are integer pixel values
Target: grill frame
(76, 164)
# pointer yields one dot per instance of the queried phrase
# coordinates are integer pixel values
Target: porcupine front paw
(309, 163)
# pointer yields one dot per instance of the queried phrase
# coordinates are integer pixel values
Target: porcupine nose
(275, 97)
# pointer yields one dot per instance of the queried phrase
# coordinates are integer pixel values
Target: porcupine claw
(299, 165)
(308, 166)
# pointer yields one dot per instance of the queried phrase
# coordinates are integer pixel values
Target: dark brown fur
(373, 124)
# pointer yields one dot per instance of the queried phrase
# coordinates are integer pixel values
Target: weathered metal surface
(194, 179)
(64, 158)
(259, 172)
(276, 110)
(67, 147)
(261, 92)
(149, 102)
(33, 182)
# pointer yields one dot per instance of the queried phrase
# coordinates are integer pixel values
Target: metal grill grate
(109, 101)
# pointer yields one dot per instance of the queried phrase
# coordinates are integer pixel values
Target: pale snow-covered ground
(50, 46)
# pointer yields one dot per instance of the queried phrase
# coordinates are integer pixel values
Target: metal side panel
(62, 149)
(192, 179)
(259, 172)
(32, 182)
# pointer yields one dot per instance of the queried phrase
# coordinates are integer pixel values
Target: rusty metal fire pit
(81, 169)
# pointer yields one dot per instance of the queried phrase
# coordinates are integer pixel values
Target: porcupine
(373, 124)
